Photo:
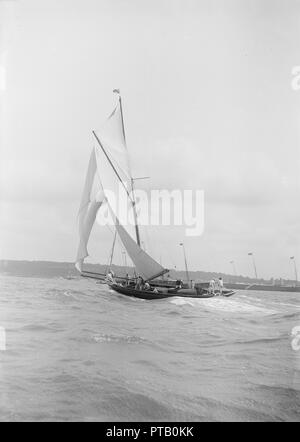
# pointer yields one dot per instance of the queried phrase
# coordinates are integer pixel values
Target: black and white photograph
(149, 213)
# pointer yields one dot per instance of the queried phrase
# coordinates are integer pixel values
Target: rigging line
(113, 167)
(105, 199)
(120, 244)
(110, 258)
(123, 125)
(122, 118)
(122, 170)
(113, 249)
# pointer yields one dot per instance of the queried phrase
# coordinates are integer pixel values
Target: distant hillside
(43, 269)
(49, 269)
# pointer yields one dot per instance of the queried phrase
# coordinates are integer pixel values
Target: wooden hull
(183, 293)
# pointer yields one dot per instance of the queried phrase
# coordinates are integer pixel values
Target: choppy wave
(224, 305)
(77, 351)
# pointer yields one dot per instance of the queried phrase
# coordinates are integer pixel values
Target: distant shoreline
(54, 269)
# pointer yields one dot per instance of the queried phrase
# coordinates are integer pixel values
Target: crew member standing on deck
(139, 283)
(211, 287)
(221, 286)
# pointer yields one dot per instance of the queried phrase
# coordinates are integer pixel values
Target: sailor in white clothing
(211, 287)
(220, 285)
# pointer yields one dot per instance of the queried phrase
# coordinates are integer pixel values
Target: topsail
(113, 162)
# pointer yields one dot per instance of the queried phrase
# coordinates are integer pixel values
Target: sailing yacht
(109, 168)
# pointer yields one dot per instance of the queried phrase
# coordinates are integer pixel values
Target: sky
(208, 104)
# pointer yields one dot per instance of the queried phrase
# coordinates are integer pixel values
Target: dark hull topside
(183, 293)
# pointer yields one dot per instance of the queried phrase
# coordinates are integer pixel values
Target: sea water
(76, 351)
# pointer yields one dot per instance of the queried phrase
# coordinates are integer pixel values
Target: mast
(186, 266)
(112, 250)
(133, 200)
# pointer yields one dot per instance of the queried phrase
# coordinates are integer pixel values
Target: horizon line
(122, 266)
